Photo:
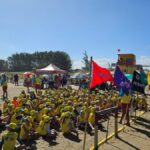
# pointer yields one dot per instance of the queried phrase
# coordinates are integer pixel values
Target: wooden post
(135, 108)
(116, 123)
(87, 113)
(96, 137)
(96, 132)
(107, 129)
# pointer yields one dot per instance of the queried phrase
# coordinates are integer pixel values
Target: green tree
(3, 65)
(27, 62)
(85, 61)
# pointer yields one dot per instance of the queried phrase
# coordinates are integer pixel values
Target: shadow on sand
(131, 145)
(72, 137)
(147, 133)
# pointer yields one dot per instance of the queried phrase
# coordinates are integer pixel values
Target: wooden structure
(127, 62)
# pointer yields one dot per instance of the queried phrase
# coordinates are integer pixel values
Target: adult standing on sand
(37, 83)
(4, 82)
(16, 79)
(27, 82)
(125, 105)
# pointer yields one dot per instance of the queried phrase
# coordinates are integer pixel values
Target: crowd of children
(52, 110)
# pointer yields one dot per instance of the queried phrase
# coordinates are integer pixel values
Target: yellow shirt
(13, 119)
(91, 118)
(39, 115)
(37, 80)
(25, 130)
(9, 140)
(126, 99)
(42, 128)
(81, 119)
(65, 125)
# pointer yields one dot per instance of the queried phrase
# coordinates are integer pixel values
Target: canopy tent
(51, 68)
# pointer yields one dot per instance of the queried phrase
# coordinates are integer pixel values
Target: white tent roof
(51, 68)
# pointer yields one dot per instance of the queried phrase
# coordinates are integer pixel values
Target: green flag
(143, 76)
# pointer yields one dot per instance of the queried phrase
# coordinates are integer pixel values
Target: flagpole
(88, 104)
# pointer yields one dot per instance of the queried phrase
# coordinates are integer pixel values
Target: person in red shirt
(15, 102)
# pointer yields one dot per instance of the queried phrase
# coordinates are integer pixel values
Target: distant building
(127, 62)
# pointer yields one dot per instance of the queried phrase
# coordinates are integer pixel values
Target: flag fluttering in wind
(121, 81)
(143, 76)
(137, 84)
(148, 78)
(99, 75)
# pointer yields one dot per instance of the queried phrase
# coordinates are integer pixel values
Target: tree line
(36, 60)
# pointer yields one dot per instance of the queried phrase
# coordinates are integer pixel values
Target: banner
(148, 78)
(99, 75)
(121, 80)
(143, 76)
(137, 84)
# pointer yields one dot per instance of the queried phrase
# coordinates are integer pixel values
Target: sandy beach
(134, 137)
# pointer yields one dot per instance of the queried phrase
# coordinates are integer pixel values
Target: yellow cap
(32, 112)
(45, 110)
(11, 126)
(46, 118)
(26, 110)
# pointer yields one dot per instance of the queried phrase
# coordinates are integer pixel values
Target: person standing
(33, 81)
(51, 81)
(4, 83)
(16, 79)
(64, 80)
(37, 83)
(125, 105)
(27, 82)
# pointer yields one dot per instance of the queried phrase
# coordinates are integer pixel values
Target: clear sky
(98, 26)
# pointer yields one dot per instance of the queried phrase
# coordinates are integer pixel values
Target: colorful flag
(137, 84)
(121, 80)
(99, 75)
(143, 76)
(148, 78)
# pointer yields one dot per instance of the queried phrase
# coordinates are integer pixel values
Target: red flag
(99, 75)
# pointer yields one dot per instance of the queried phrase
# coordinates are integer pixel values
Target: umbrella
(28, 73)
(45, 76)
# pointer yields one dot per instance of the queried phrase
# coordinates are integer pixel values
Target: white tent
(51, 68)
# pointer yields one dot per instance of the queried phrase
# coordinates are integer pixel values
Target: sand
(131, 139)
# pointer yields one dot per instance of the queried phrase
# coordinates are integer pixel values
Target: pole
(95, 137)
(107, 129)
(135, 108)
(96, 132)
(116, 123)
(88, 104)
(126, 113)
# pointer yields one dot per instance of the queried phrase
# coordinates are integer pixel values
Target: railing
(98, 115)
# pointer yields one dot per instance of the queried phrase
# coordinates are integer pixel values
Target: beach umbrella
(28, 73)
(45, 76)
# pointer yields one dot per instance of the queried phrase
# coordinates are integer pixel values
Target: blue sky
(98, 26)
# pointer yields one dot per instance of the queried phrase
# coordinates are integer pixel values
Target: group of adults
(41, 82)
